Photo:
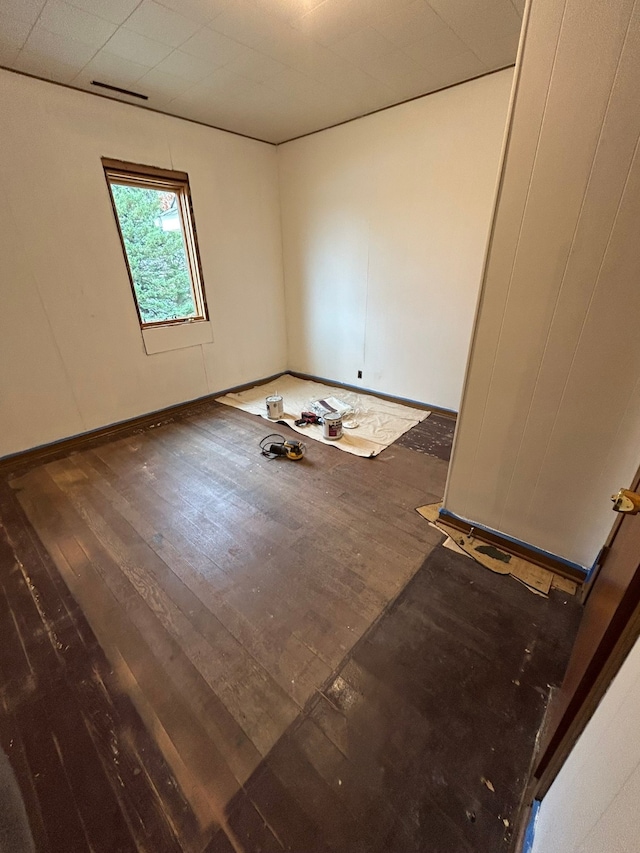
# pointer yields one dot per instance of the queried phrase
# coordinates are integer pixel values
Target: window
(153, 211)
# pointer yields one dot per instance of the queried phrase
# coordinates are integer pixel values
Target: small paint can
(332, 426)
(275, 407)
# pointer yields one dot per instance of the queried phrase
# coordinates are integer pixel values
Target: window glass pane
(152, 235)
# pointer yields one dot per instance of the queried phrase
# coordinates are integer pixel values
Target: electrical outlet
(359, 374)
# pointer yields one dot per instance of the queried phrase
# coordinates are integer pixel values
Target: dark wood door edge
(522, 824)
(416, 404)
(523, 816)
(517, 549)
(22, 461)
(618, 640)
(634, 486)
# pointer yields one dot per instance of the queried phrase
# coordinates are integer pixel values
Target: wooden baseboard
(437, 410)
(518, 549)
(20, 462)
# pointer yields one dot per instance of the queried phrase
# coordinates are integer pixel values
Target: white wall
(71, 353)
(592, 806)
(550, 419)
(385, 221)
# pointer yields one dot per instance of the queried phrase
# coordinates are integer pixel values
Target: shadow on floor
(423, 739)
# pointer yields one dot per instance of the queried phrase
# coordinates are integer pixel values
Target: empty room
(319, 426)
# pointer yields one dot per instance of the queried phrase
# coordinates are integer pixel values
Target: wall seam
(287, 352)
(584, 323)
(533, 164)
(489, 243)
(54, 339)
(576, 228)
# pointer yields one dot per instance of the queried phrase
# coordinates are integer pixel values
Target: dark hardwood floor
(205, 649)
(433, 436)
(423, 738)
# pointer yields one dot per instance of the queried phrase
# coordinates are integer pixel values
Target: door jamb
(618, 642)
(541, 779)
(620, 637)
(587, 586)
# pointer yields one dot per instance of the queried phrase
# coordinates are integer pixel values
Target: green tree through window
(157, 257)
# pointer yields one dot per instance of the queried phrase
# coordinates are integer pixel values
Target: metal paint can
(332, 426)
(275, 407)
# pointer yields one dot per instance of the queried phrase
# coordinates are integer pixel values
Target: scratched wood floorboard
(182, 601)
(433, 436)
(204, 651)
(423, 738)
(63, 715)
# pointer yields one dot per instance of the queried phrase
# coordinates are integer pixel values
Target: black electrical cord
(267, 444)
(289, 447)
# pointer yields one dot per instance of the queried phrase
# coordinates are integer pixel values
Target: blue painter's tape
(576, 566)
(531, 827)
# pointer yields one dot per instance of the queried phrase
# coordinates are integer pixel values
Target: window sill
(165, 338)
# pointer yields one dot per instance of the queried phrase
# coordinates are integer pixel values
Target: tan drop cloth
(380, 422)
(535, 578)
